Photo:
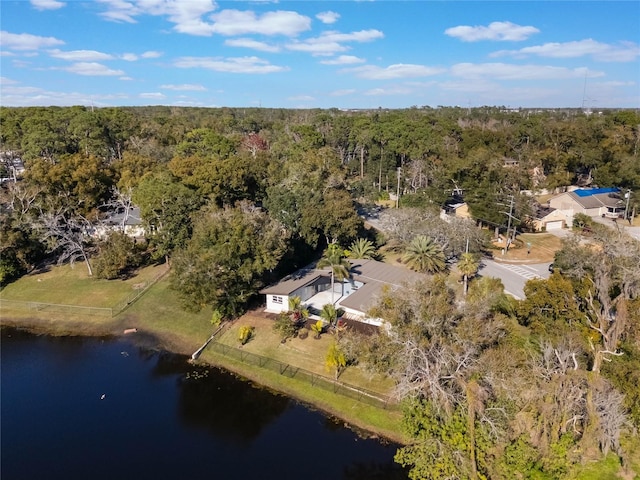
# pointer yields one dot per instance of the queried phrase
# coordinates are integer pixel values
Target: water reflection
(160, 418)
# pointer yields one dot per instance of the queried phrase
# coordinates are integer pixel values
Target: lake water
(87, 408)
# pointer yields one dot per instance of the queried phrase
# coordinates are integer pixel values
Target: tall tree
(468, 266)
(334, 259)
(229, 258)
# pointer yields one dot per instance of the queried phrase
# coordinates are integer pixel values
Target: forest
(233, 199)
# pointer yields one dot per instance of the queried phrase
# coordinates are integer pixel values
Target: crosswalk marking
(522, 271)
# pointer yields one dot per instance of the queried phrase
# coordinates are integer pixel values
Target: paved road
(514, 276)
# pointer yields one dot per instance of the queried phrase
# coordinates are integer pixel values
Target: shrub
(245, 333)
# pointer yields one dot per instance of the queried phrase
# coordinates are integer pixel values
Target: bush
(245, 333)
(285, 326)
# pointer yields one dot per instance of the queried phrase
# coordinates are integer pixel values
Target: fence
(315, 380)
(106, 312)
(119, 308)
(57, 308)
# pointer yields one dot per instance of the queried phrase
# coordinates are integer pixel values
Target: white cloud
(92, 69)
(151, 54)
(330, 43)
(252, 44)
(343, 60)
(400, 70)
(186, 15)
(23, 96)
(388, 91)
(129, 57)
(236, 22)
(625, 52)
(328, 17)
(153, 95)
(26, 41)
(7, 81)
(80, 55)
(301, 98)
(498, 31)
(343, 92)
(125, 79)
(47, 4)
(184, 87)
(230, 65)
(505, 71)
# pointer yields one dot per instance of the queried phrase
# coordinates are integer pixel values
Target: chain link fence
(362, 395)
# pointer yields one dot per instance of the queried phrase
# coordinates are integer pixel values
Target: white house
(128, 222)
(593, 202)
(355, 295)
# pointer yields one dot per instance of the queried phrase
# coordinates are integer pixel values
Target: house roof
(291, 283)
(603, 197)
(116, 217)
(373, 274)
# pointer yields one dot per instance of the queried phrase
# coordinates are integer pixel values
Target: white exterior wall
(274, 305)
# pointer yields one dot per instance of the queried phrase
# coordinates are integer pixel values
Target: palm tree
(468, 266)
(329, 313)
(335, 359)
(334, 258)
(297, 311)
(362, 248)
(424, 255)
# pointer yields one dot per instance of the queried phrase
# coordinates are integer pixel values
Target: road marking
(525, 272)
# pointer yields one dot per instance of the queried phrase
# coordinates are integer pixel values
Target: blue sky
(346, 54)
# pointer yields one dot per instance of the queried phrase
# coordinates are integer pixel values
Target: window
(276, 299)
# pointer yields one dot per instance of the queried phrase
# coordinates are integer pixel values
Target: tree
(166, 207)
(298, 312)
(66, 235)
(424, 255)
(117, 254)
(335, 359)
(468, 266)
(362, 248)
(333, 258)
(228, 259)
(329, 313)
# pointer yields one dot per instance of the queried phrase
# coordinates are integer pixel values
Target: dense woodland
(233, 199)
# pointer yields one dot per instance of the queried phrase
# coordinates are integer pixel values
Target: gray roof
(293, 282)
(596, 201)
(372, 273)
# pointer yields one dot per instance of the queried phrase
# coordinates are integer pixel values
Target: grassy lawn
(68, 285)
(160, 314)
(543, 248)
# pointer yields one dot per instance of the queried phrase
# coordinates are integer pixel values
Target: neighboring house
(128, 222)
(546, 219)
(455, 206)
(356, 295)
(593, 202)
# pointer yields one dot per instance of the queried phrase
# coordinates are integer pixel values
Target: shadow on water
(77, 403)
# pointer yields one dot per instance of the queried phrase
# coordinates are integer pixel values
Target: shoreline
(145, 338)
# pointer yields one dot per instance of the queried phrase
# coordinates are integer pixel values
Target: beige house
(547, 219)
(594, 202)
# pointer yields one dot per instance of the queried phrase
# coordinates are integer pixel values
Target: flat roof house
(355, 295)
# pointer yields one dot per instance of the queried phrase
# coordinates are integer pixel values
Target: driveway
(514, 276)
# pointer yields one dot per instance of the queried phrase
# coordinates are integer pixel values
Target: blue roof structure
(587, 192)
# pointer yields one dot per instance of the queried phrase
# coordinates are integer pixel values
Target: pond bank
(352, 413)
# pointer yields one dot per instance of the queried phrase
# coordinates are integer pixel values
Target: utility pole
(510, 215)
(626, 208)
(398, 188)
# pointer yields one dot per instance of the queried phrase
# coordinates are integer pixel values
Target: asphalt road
(513, 276)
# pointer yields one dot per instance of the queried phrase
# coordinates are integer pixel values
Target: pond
(76, 408)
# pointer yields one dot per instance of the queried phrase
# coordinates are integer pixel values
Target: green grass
(68, 285)
(160, 312)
